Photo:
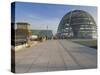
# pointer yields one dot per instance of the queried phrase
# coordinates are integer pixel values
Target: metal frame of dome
(77, 24)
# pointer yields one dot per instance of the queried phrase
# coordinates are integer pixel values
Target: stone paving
(55, 55)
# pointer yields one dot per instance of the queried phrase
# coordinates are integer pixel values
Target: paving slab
(55, 55)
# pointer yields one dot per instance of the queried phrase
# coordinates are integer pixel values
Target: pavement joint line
(52, 56)
(26, 65)
(60, 53)
(48, 63)
(40, 54)
(33, 62)
(93, 52)
(75, 60)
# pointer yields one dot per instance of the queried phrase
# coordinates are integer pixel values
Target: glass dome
(77, 24)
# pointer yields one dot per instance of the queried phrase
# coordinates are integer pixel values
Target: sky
(41, 16)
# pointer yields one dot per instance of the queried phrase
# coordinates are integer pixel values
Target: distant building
(43, 33)
(22, 32)
(23, 25)
(77, 24)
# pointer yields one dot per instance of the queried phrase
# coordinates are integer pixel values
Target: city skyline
(41, 16)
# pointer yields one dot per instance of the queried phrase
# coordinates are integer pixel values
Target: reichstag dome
(77, 24)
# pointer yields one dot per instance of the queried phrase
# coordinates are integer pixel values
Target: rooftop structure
(43, 33)
(77, 24)
(23, 25)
